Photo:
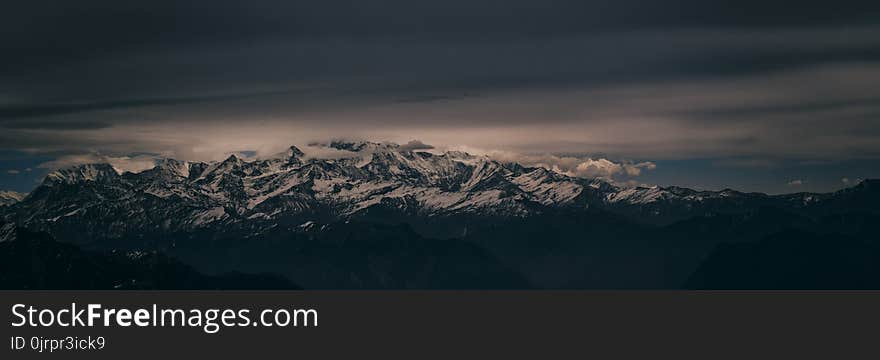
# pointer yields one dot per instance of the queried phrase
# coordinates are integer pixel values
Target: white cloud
(584, 167)
(322, 152)
(13, 172)
(413, 145)
(607, 168)
(122, 164)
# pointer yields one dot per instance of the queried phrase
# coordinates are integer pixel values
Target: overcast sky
(773, 96)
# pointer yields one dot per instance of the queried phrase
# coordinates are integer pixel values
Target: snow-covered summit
(295, 185)
(80, 173)
(238, 189)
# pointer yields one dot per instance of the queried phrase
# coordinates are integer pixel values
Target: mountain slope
(36, 261)
(290, 189)
(376, 216)
(10, 197)
(792, 260)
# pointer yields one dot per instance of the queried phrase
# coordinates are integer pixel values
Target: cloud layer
(120, 164)
(572, 166)
(594, 82)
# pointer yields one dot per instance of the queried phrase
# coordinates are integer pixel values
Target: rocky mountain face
(183, 196)
(238, 191)
(10, 197)
(311, 218)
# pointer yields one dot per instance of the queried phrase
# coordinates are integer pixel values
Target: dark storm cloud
(430, 98)
(23, 111)
(415, 145)
(40, 33)
(116, 24)
(634, 79)
(411, 69)
(803, 108)
(56, 125)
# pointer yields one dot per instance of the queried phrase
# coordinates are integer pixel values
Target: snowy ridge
(90, 172)
(177, 195)
(236, 190)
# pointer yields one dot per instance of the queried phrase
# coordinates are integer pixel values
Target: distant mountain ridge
(291, 186)
(504, 224)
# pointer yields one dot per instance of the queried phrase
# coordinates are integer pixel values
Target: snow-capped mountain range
(381, 216)
(184, 196)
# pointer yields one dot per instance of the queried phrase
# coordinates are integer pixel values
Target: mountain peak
(458, 154)
(294, 152)
(10, 197)
(173, 167)
(79, 173)
(232, 159)
(358, 146)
